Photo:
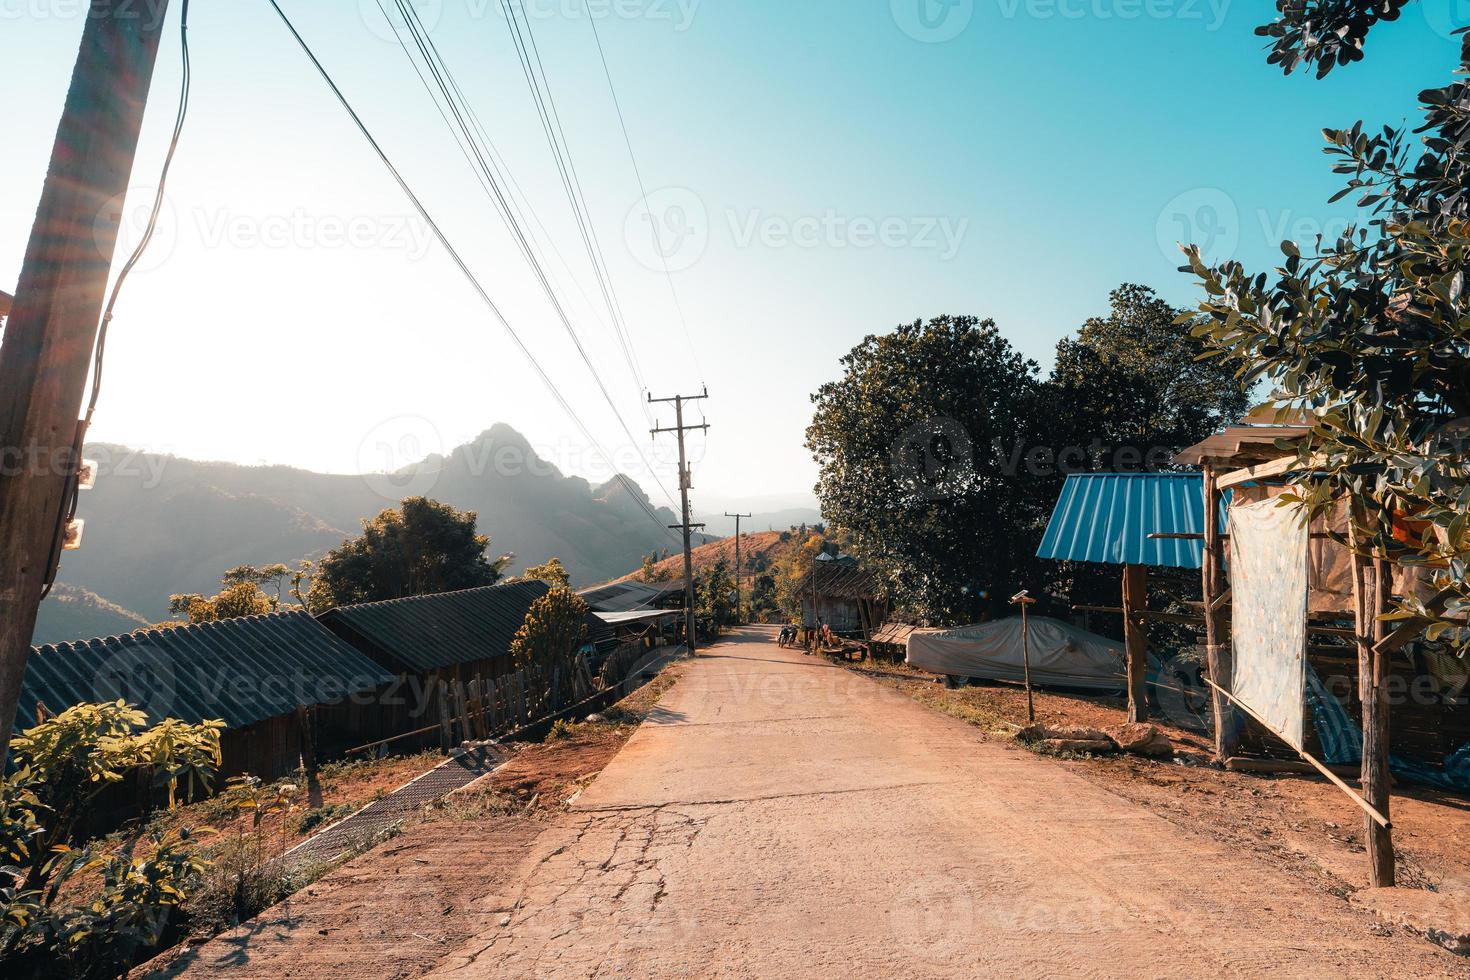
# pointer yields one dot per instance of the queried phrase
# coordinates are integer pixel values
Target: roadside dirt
(1303, 825)
(392, 912)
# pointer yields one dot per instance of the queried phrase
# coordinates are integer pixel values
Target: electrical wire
(449, 248)
(658, 245)
(487, 174)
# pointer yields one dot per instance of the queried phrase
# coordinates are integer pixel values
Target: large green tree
(419, 548)
(907, 442)
(554, 630)
(1129, 390)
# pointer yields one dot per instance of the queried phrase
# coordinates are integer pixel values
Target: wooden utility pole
(52, 327)
(738, 606)
(1373, 667)
(1135, 639)
(684, 484)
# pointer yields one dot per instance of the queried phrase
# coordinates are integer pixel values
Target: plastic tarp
(1062, 655)
(1268, 584)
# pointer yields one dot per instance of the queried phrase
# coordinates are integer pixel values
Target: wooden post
(1135, 639)
(1375, 779)
(1211, 586)
(52, 326)
(446, 733)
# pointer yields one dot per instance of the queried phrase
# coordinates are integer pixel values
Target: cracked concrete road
(777, 816)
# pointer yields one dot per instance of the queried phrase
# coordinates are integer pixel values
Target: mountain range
(158, 525)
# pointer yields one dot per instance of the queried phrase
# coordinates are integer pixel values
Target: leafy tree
(554, 630)
(1129, 391)
(420, 548)
(552, 572)
(1369, 334)
(232, 602)
(904, 442)
(61, 767)
(1324, 33)
(651, 571)
(714, 592)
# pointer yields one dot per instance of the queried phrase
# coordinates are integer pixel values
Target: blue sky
(822, 170)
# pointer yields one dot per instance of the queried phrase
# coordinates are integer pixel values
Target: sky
(819, 170)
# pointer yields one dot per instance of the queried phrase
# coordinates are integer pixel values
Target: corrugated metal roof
(1108, 517)
(630, 595)
(636, 616)
(426, 632)
(237, 670)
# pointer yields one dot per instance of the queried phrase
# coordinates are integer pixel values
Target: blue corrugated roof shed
(238, 670)
(1108, 517)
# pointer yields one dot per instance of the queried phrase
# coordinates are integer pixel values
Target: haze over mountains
(157, 525)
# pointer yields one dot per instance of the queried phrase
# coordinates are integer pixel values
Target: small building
(452, 636)
(838, 592)
(631, 595)
(256, 674)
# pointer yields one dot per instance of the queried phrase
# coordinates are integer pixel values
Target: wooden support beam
(1212, 586)
(1375, 777)
(1262, 471)
(1135, 639)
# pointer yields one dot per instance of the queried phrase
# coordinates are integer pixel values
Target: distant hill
(157, 525)
(770, 520)
(758, 550)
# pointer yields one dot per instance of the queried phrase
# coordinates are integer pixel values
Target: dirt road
(777, 816)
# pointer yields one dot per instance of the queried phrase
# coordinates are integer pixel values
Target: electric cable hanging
(505, 205)
(658, 245)
(449, 247)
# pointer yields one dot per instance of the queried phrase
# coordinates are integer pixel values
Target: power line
(448, 246)
(658, 245)
(484, 171)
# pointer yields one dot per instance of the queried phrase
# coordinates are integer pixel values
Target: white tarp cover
(1061, 654)
(1268, 586)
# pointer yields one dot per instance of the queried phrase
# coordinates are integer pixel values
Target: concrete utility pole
(737, 561)
(52, 326)
(684, 485)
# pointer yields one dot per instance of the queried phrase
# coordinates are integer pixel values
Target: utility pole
(738, 566)
(52, 327)
(684, 483)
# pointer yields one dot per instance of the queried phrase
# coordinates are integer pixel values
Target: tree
(714, 592)
(554, 630)
(1325, 33)
(905, 440)
(62, 766)
(1368, 334)
(552, 572)
(1129, 391)
(420, 548)
(232, 602)
(651, 571)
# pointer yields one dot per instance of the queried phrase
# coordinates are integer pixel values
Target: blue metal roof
(1108, 517)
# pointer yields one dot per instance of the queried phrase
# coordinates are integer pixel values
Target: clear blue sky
(826, 169)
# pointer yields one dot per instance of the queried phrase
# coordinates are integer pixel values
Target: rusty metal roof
(239, 671)
(630, 595)
(426, 632)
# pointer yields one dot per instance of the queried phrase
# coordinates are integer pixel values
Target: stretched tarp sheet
(1062, 655)
(1268, 583)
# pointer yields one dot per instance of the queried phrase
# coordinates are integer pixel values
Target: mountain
(157, 525)
(70, 613)
(758, 550)
(768, 520)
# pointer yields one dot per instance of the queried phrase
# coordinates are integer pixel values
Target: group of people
(789, 634)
